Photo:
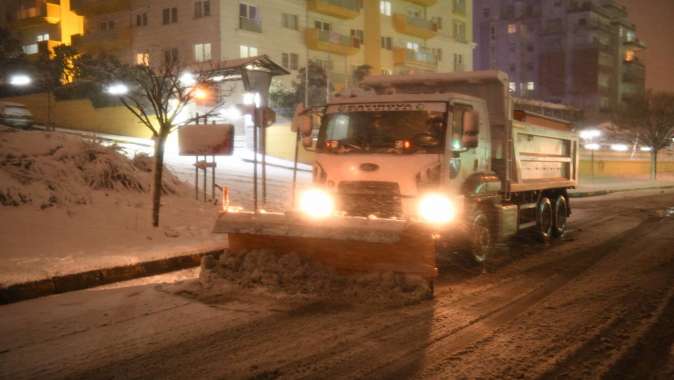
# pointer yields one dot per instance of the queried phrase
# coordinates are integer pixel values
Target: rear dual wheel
(551, 217)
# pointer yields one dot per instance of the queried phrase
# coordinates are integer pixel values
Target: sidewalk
(605, 185)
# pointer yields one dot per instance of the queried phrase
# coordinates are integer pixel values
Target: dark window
(174, 14)
(141, 19)
(357, 34)
(294, 61)
(387, 43)
(285, 60)
(202, 8)
(171, 55)
(166, 16)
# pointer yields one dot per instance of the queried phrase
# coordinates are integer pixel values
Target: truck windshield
(418, 131)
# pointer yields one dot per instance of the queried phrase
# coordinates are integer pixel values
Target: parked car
(15, 115)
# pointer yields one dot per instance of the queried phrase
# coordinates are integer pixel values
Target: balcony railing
(96, 7)
(42, 12)
(103, 41)
(346, 9)
(414, 26)
(425, 3)
(250, 24)
(419, 57)
(331, 42)
(634, 71)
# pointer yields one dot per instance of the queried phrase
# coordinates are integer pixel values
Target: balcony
(331, 42)
(634, 72)
(345, 9)
(413, 26)
(422, 57)
(251, 25)
(103, 41)
(635, 44)
(41, 13)
(425, 3)
(96, 7)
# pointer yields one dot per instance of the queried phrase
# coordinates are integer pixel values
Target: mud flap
(345, 244)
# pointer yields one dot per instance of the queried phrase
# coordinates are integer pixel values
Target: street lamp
(589, 135)
(117, 89)
(257, 80)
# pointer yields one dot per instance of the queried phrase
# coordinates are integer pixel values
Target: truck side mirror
(471, 129)
(302, 121)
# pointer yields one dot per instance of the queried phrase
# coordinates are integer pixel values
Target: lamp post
(589, 135)
(258, 80)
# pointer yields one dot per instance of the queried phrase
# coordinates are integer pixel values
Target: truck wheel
(544, 219)
(561, 211)
(481, 236)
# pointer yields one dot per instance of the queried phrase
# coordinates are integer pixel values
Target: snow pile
(297, 275)
(47, 169)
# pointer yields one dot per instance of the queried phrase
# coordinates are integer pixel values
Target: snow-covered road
(599, 303)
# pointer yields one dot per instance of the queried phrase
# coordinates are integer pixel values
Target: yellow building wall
(81, 115)
(623, 168)
(71, 23)
(281, 144)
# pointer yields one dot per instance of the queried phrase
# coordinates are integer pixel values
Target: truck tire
(561, 211)
(544, 219)
(481, 236)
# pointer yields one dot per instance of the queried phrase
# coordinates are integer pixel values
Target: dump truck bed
(543, 157)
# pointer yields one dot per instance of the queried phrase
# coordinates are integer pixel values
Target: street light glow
(619, 147)
(589, 134)
(117, 89)
(646, 149)
(592, 146)
(200, 93)
(19, 80)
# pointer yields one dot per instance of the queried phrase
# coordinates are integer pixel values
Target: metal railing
(250, 24)
(422, 23)
(353, 5)
(421, 55)
(336, 38)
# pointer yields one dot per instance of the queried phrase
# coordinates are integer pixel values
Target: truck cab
(380, 153)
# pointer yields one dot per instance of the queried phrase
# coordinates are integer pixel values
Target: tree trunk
(654, 165)
(158, 171)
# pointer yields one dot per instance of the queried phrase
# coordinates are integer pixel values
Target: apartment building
(41, 25)
(581, 53)
(392, 36)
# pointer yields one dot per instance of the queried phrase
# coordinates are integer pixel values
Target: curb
(251, 161)
(587, 194)
(97, 277)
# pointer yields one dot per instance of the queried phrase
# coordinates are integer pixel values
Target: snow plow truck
(408, 165)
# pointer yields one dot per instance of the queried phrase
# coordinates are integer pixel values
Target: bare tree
(649, 119)
(157, 97)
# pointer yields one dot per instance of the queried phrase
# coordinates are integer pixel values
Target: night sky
(654, 20)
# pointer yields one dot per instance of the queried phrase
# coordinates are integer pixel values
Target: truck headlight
(436, 208)
(316, 203)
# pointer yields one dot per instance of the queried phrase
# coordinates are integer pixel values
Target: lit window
(629, 56)
(143, 59)
(512, 28)
(202, 52)
(247, 51)
(385, 7)
(30, 49)
(43, 37)
(412, 45)
(531, 86)
(512, 86)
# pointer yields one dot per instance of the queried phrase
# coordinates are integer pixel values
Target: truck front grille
(365, 198)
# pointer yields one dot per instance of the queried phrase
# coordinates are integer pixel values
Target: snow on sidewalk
(69, 205)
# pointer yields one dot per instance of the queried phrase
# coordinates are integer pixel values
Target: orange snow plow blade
(345, 244)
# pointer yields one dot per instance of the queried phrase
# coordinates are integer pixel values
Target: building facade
(41, 25)
(392, 36)
(581, 53)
